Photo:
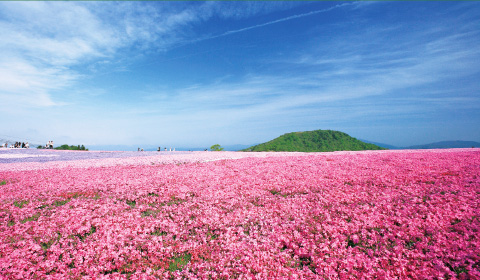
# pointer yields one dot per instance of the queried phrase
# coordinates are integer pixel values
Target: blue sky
(192, 74)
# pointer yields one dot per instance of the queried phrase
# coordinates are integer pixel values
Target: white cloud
(55, 33)
(40, 42)
(43, 42)
(23, 84)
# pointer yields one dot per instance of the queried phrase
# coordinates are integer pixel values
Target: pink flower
(373, 214)
(355, 239)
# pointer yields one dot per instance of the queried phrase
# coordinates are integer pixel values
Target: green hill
(314, 141)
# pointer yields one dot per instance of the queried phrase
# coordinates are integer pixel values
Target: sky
(193, 74)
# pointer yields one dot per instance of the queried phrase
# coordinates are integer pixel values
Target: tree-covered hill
(314, 141)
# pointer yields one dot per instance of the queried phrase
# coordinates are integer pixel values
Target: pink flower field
(232, 215)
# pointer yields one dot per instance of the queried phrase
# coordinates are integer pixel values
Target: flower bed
(19, 160)
(40, 155)
(344, 215)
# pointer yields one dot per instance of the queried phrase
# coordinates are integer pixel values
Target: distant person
(165, 149)
(23, 145)
(27, 146)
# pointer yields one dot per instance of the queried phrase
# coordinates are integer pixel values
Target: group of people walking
(49, 145)
(17, 145)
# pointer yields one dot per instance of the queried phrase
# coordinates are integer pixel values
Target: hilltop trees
(67, 147)
(216, 147)
(314, 141)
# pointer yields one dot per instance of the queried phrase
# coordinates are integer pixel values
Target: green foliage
(216, 147)
(82, 237)
(131, 203)
(3, 183)
(147, 213)
(75, 148)
(314, 141)
(60, 202)
(20, 203)
(46, 245)
(175, 201)
(212, 236)
(31, 218)
(158, 232)
(179, 262)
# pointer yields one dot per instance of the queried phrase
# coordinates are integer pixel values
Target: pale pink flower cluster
(344, 215)
(156, 158)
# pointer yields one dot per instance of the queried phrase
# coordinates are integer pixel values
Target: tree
(216, 147)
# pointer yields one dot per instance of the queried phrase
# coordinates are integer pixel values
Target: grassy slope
(314, 141)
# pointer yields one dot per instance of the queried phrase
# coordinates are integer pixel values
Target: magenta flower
(230, 215)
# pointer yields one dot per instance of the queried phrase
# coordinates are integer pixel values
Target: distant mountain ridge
(383, 145)
(447, 145)
(314, 141)
(435, 145)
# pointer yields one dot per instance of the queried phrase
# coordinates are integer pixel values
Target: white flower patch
(24, 156)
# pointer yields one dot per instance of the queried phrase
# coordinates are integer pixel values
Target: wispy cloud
(230, 32)
(45, 44)
(286, 19)
(40, 43)
(24, 84)
(332, 86)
